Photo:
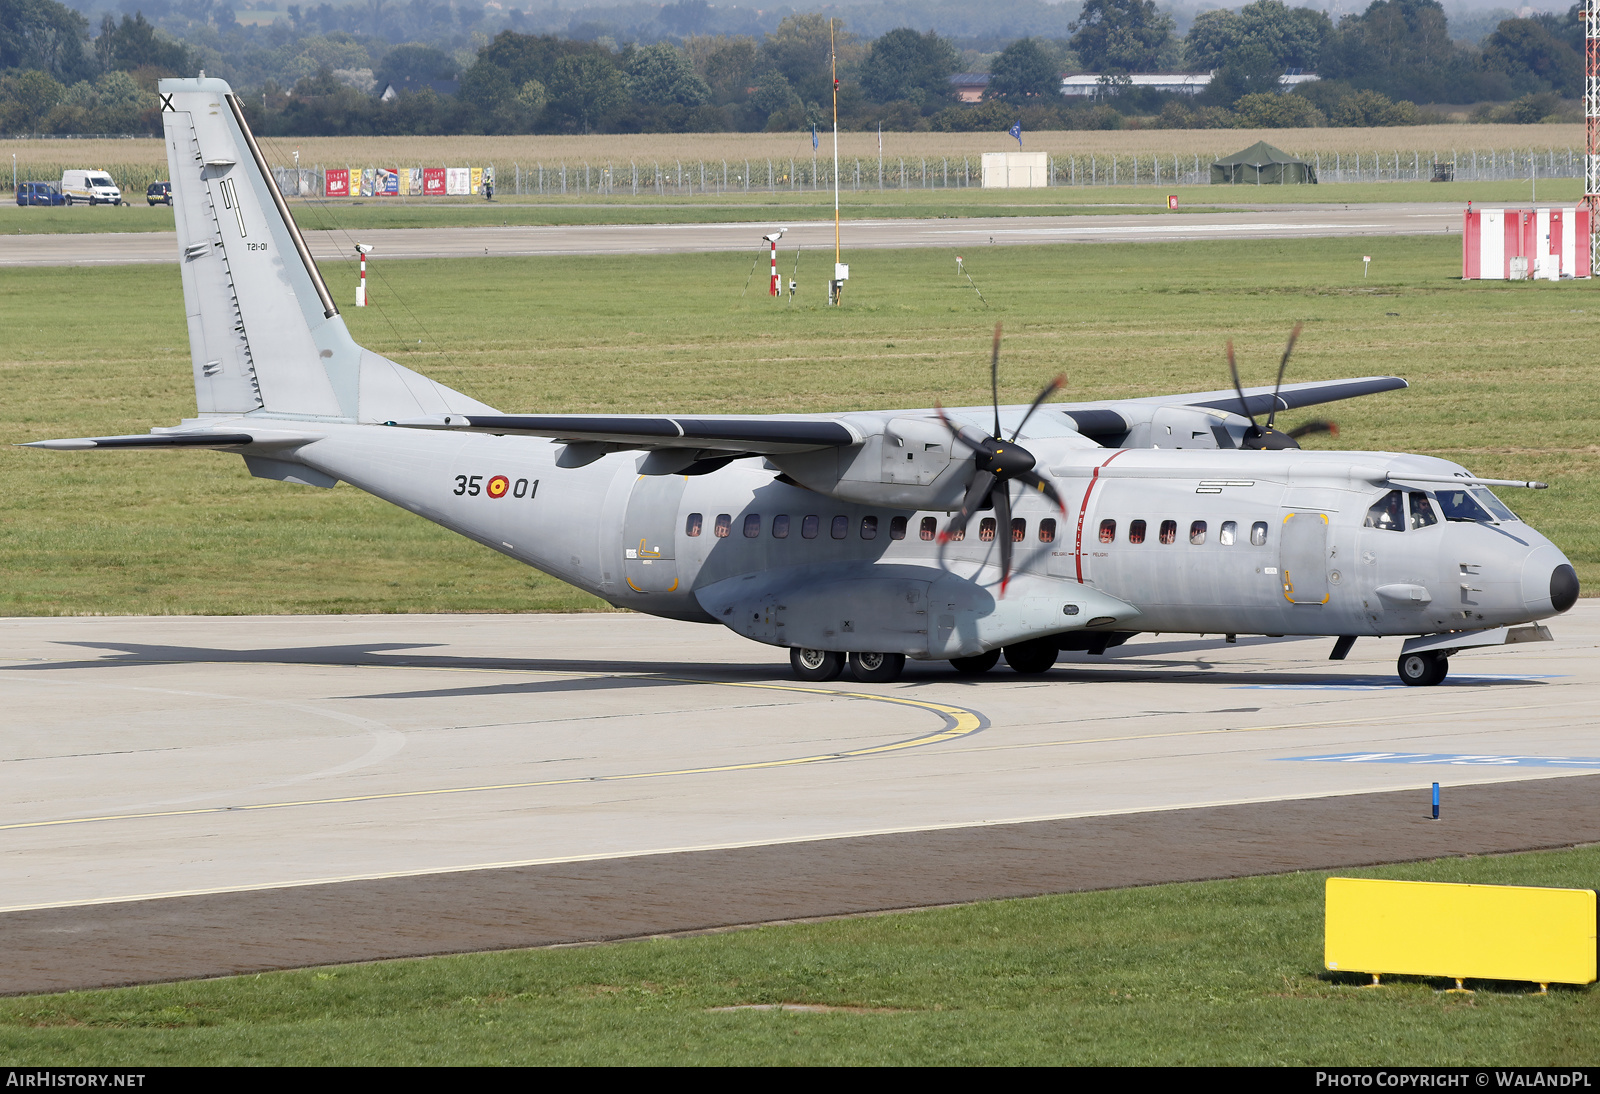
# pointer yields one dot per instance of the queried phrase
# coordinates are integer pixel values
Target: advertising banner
(433, 181)
(411, 180)
(477, 180)
(388, 183)
(337, 182)
(458, 181)
(369, 180)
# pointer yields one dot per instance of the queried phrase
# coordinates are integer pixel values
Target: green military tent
(1262, 163)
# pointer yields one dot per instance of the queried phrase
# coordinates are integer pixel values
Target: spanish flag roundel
(498, 486)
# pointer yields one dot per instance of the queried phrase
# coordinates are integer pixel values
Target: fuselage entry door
(1303, 558)
(650, 532)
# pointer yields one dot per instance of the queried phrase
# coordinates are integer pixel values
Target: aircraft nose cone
(1549, 583)
(1563, 587)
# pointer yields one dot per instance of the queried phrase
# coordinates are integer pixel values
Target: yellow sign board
(1477, 932)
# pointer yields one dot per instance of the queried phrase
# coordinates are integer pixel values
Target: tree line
(57, 77)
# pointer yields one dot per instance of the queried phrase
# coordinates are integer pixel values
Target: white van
(93, 186)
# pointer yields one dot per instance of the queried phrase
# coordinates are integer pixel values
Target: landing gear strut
(1423, 669)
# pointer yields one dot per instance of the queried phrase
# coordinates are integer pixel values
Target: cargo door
(1302, 558)
(650, 532)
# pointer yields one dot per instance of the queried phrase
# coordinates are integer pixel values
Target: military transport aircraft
(832, 534)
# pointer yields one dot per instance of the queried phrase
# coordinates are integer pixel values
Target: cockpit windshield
(1473, 504)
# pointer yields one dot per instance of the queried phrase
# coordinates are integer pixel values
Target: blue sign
(813, 136)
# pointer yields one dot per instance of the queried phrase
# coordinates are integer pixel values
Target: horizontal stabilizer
(147, 440)
(763, 435)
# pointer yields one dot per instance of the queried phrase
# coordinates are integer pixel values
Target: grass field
(1213, 973)
(788, 206)
(1502, 373)
(527, 150)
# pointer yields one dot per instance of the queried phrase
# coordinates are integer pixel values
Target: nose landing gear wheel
(977, 665)
(1421, 670)
(877, 668)
(816, 666)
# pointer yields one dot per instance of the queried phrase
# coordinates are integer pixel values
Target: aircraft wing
(1290, 396)
(765, 435)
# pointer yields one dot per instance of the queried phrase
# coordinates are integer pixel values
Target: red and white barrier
(1513, 244)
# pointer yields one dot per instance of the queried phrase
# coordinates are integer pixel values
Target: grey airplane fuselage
(1217, 541)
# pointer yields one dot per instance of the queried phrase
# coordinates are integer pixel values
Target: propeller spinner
(1265, 437)
(997, 463)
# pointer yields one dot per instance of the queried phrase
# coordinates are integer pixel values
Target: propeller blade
(1314, 427)
(1002, 532)
(982, 483)
(974, 442)
(1049, 389)
(1244, 407)
(1283, 364)
(1044, 486)
(994, 378)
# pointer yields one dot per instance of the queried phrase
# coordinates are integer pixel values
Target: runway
(1261, 222)
(196, 796)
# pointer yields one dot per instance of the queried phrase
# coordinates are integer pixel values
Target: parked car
(93, 186)
(39, 193)
(159, 193)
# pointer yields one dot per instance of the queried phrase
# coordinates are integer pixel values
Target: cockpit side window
(1421, 511)
(1387, 513)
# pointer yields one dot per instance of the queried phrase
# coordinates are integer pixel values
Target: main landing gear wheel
(877, 668)
(1032, 658)
(977, 665)
(816, 666)
(1423, 670)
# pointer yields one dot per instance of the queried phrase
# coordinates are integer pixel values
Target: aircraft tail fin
(265, 335)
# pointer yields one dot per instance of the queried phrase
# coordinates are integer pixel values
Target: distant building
(391, 92)
(1088, 85)
(970, 86)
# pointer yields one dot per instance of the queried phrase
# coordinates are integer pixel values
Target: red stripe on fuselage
(1077, 547)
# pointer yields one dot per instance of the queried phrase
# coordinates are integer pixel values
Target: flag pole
(833, 59)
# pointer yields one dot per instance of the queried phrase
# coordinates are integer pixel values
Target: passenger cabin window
(724, 523)
(840, 528)
(1387, 513)
(1197, 533)
(752, 525)
(1136, 532)
(869, 527)
(1421, 511)
(1169, 531)
(1108, 531)
(1047, 530)
(1019, 529)
(1226, 534)
(809, 526)
(986, 530)
(897, 528)
(928, 528)
(691, 527)
(780, 526)
(1258, 533)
